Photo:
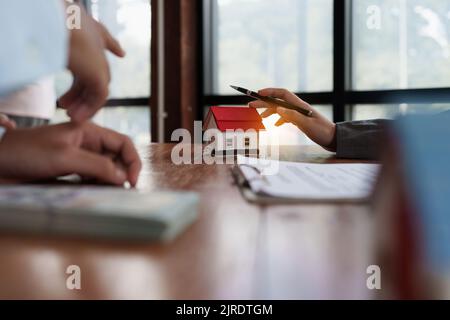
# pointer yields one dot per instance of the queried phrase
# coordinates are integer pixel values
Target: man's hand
(7, 123)
(109, 42)
(90, 68)
(318, 128)
(84, 149)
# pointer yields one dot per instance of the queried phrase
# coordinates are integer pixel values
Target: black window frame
(342, 97)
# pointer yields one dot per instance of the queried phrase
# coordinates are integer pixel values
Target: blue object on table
(425, 150)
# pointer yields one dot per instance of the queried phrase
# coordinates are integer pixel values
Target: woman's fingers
(290, 115)
(287, 115)
(283, 94)
(269, 112)
(262, 105)
(258, 104)
(280, 122)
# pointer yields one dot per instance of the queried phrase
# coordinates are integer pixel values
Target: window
(391, 111)
(260, 43)
(357, 59)
(401, 44)
(133, 121)
(266, 43)
(130, 22)
(127, 109)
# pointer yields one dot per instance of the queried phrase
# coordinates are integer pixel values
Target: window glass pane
(400, 44)
(130, 22)
(131, 121)
(263, 43)
(391, 111)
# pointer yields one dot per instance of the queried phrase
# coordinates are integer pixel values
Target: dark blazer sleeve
(360, 139)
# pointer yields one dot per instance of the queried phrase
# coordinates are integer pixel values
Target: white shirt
(37, 100)
(34, 42)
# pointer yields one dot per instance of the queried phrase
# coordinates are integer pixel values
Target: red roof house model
(234, 118)
(245, 125)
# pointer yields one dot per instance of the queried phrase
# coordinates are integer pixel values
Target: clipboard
(263, 199)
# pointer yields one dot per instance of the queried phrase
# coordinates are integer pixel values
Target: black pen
(274, 101)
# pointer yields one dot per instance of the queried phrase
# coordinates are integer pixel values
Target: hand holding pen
(316, 126)
(274, 102)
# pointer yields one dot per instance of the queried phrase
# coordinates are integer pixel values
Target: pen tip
(234, 87)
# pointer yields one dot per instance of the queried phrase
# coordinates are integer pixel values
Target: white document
(306, 181)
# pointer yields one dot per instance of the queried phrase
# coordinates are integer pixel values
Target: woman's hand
(53, 151)
(317, 128)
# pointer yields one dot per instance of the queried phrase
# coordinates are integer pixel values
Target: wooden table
(234, 251)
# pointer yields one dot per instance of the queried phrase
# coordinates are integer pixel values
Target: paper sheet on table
(306, 181)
